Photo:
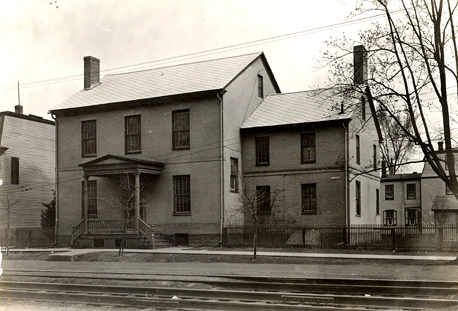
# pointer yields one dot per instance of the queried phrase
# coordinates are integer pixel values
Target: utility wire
(169, 60)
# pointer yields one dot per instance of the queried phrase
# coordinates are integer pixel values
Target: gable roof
(166, 81)
(297, 108)
(401, 177)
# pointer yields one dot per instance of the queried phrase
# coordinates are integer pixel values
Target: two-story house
(400, 200)
(320, 158)
(438, 204)
(27, 168)
(174, 130)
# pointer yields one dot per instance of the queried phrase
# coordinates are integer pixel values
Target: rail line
(231, 292)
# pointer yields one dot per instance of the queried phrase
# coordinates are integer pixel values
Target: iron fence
(27, 237)
(415, 238)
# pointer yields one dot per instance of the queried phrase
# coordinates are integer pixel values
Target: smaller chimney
(383, 169)
(91, 72)
(360, 64)
(19, 109)
(440, 145)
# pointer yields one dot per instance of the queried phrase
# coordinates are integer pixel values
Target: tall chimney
(440, 145)
(91, 72)
(360, 64)
(383, 169)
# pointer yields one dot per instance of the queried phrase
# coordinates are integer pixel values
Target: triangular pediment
(115, 165)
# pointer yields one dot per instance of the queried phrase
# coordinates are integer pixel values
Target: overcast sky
(47, 40)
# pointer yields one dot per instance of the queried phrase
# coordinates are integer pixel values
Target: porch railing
(77, 231)
(96, 225)
(147, 231)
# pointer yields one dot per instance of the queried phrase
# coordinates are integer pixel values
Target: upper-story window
(358, 198)
(133, 134)
(377, 201)
(234, 175)
(374, 156)
(358, 150)
(15, 171)
(308, 149)
(363, 108)
(89, 138)
(411, 191)
(260, 86)
(389, 192)
(181, 129)
(262, 150)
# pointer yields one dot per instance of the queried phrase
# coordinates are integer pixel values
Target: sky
(42, 43)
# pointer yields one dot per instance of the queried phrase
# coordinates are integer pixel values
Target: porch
(93, 231)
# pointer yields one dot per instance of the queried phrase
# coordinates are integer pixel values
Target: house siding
(33, 142)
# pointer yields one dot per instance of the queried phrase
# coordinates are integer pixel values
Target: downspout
(56, 230)
(222, 199)
(347, 188)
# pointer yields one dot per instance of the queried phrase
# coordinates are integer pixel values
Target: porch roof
(115, 165)
(445, 203)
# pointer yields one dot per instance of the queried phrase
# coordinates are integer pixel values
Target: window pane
(133, 134)
(262, 150)
(181, 129)
(89, 136)
(308, 198)
(411, 191)
(263, 199)
(15, 171)
(234, 174)
(308, 147)
(389, 192)
(182, 194)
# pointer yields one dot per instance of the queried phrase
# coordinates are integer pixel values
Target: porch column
(86, 202)
(137, 200)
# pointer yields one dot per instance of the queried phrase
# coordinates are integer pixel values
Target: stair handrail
(77, 231)
(146, 230)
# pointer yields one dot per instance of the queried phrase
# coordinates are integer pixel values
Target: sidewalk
(69, 254)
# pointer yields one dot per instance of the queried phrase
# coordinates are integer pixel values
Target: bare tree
(412, 55)
(125, 202)
(8, 203)
(260, 206)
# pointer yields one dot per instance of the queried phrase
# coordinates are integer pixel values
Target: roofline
(280, 126)
(268, 70)
(29, 117)
(182, 64)
(144, 101)
(407, 177)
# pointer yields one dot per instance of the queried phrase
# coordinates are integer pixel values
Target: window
(389, 192)
(308, 148)
(411, 191)
(363, 108)
(412, 216)
(181, 127)
(377, 201)
(358, 153)
(263, 199)
(92, 199)
(182, 195)
(89, 138)
(389, 218)
(308, 198)
(234, 175)
(358, 198)
(133, 134)
(374, 151)
(260, 86)
(262, 151)
(15, 171)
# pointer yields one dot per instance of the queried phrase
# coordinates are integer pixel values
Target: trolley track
(232, 292)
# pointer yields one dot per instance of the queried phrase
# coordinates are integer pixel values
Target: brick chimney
(91, 72)
(440, 145)
(360, 64)
(19, 109)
